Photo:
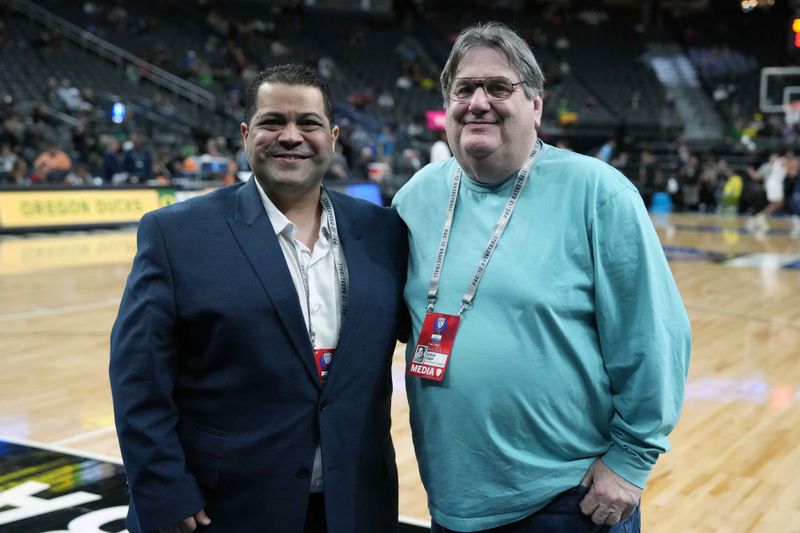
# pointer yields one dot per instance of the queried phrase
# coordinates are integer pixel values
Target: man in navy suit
(251, 358)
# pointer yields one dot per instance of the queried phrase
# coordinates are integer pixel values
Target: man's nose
(479, 101)
(290, 135)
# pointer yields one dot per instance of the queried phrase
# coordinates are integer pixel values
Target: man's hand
(610, 499)
(187, 525)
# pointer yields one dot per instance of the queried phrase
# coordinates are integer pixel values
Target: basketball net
(791, 112)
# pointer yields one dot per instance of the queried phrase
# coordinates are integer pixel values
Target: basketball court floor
(735, 463)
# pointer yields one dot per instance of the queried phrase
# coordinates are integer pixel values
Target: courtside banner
(37, 254)
(31, 209)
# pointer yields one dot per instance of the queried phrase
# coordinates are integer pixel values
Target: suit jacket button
(303, 473)
(323, 405)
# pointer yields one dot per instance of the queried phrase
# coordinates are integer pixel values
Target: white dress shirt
(322, 305)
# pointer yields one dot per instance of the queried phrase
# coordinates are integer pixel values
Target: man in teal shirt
(556, 343)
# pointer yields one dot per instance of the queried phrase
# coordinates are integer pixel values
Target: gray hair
(502, 38)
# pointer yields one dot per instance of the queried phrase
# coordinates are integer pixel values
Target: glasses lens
(500, 88)
(463, 89)
(496, 88)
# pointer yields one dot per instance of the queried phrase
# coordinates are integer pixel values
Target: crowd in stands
(757, 186)
(38, 148)
(69, 140)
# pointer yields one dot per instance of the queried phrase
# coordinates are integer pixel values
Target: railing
(115, 54)
(58, 115)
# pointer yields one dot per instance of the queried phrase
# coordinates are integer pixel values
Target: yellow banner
(31, 209)
(23, 256)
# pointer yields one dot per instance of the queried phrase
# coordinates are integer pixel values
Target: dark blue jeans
(562, 515)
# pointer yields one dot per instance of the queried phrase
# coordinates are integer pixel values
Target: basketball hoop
(791, 112)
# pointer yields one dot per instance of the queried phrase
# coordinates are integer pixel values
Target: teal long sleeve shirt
(576, 346)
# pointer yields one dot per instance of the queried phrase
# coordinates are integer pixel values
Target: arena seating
(384, 70)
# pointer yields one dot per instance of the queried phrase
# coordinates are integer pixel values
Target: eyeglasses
(497, 88)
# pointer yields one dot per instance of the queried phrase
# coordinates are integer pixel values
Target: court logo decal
(47, 491)
(44, 491)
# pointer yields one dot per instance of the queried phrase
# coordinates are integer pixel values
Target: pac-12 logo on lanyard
(435, 344)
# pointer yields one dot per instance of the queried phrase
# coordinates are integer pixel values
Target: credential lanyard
(338, 265)
(466, 301)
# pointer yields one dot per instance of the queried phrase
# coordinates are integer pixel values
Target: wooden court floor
(735, 463)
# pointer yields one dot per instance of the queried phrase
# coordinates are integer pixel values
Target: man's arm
(143, 369)
(401, 245)
(645, 339)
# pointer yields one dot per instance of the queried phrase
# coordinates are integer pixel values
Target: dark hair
(290, 74)
(502, 38)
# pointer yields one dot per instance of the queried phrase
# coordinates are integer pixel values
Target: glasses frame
(480, 83)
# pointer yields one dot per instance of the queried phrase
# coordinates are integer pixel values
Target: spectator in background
(386, 140)
(673, 188)
(709, 182)
(278, 49)
(70, 97)
(440, 150)
(386, 100)
(689, 180)
(7, 160)
(359, 138)
(138, 160)
(327, 69)
(213, 164)
(161, 171)
(361, 167)
(636, 100)
(621, 162)
(339, 169)
(52, 165)
(242, 165)
(404, 82)
(407, 164)
(113, 165)
(83, 140)
(731, 188)
(19, 173)
(80, 175)
(606, 151)
(646, 182)
(753, 194)
(362, 98)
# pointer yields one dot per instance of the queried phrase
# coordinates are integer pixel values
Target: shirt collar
(282, 225)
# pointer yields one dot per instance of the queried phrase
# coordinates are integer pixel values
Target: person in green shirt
(557, 345)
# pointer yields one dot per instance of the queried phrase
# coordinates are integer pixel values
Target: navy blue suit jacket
(216, 394)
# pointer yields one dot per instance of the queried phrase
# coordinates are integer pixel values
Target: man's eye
(464, 90)
(498, 88)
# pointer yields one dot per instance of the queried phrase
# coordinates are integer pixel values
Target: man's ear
(537, 111)
(334, 135)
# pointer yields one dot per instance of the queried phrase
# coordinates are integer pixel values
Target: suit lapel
(253, 230)
(357, 258)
